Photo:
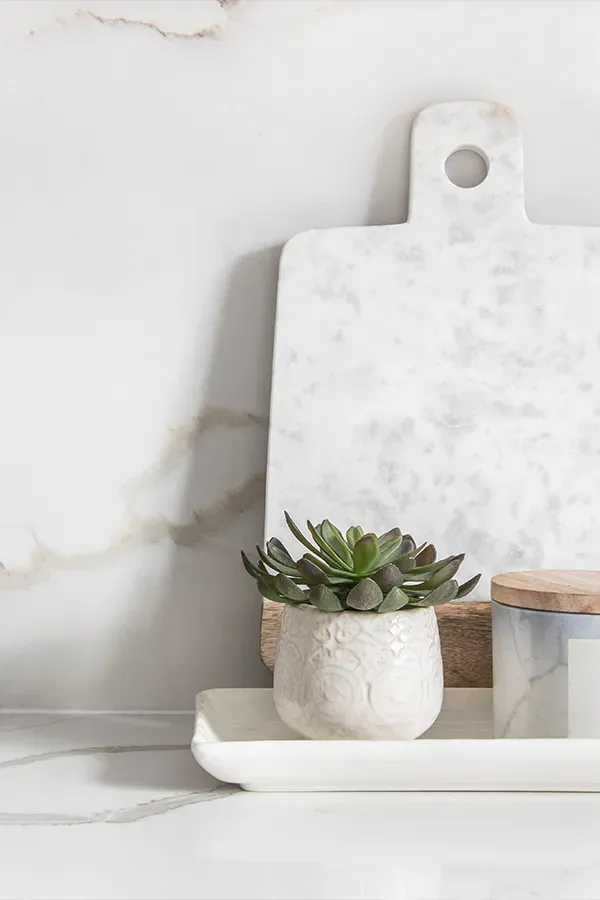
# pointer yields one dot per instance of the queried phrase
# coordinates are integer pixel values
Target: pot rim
(363, 614)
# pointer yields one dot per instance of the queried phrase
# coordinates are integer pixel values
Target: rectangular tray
(239, 738)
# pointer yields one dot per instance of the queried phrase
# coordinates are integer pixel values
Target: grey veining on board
(442, 374)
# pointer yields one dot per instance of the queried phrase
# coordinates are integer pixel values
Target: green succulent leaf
(415, 574)
(410, 540)
(265, 575)
(407, 545)
(426, 556)
(444, 593)
(335, 539)
(365, 552)
(288, 589)
(391, 535)
(298, 534)
(443, 574)
(405, 563)
(414, 553)
(329, 554)
(331, 570)
(394, 600)
(311, 574)
(468, 586)
(365, 595)
(324, 599)
(250, 568)
(388, 577)
(389, 552)
(276, 550)
(433, 567)
(273, 564)
(269, 592)
(353, 535)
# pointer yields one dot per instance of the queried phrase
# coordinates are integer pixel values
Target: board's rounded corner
(293, 244)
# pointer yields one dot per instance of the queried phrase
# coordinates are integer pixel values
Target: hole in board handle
(467, 167)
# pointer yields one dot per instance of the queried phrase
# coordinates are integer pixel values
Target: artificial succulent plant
(357, 572)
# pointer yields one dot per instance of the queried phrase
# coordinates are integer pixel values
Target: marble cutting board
(443, 374)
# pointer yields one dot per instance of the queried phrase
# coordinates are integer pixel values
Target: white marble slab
(441, 375)
(152, 169)
(90, 768)
(115, 808)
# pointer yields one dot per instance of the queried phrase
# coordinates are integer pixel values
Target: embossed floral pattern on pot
(361, 676)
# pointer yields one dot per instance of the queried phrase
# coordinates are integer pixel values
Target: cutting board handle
(489, 128)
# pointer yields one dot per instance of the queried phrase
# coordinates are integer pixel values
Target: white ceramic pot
(358, 676)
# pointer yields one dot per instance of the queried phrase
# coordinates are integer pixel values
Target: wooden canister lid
(553, 590)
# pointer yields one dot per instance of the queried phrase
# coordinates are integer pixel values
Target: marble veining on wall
(135, 355)
(170, 19)
(36, 560)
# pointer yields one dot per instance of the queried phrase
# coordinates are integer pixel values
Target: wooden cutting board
(442, 374)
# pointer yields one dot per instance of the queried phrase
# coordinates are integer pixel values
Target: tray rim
(304, 742)
(461, 765)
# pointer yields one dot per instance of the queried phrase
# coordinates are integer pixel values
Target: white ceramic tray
(239, 738)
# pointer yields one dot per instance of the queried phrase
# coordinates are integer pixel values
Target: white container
(358, 676)
(538, 620)
(239, 738)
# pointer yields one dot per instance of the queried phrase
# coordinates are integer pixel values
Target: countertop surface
(96, 807)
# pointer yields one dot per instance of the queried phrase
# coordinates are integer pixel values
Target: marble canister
(534, 617)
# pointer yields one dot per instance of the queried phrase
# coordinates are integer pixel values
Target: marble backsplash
(155, 158)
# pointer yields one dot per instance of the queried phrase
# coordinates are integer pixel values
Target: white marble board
(442, 374)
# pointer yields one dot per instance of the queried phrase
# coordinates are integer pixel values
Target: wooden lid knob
(553, 590)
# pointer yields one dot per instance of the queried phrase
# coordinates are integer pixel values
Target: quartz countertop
(96, 807)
